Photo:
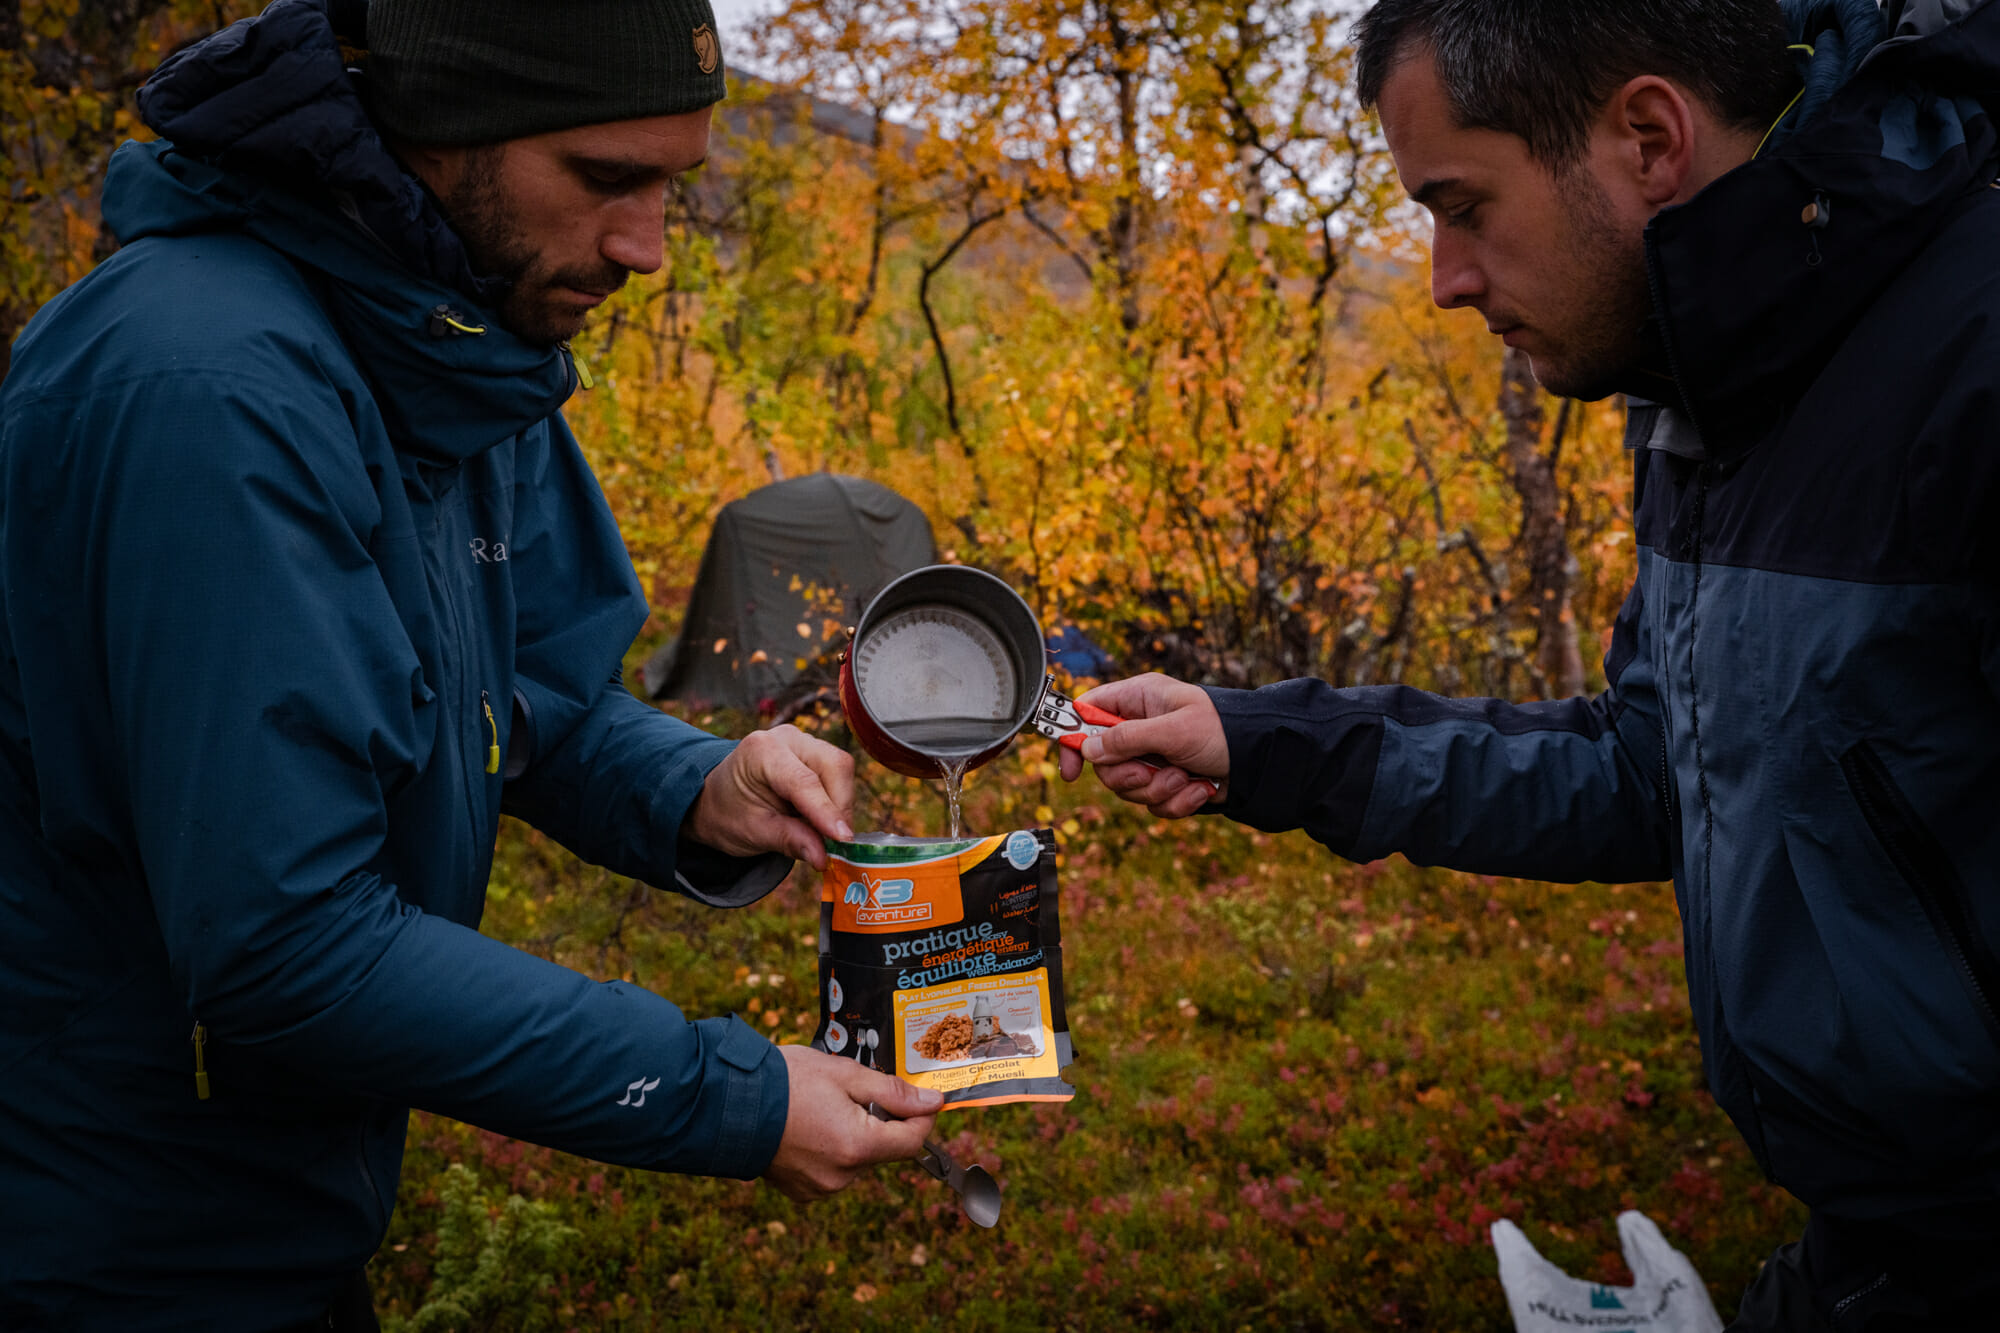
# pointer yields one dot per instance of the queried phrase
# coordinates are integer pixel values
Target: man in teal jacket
(303, 582)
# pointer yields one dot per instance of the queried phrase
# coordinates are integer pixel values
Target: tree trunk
(1126, 222)
(1544, 536)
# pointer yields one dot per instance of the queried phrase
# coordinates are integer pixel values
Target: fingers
(1189, 799)
(1070, 762)
(781, 791)
(797, 839)
(1166, 720)
(911, 1114)
(898, 1140)
(827, 1134)
(1136, 782)
(1170, 793)
(830, 1137)
(835, 769)
(804, 785)
(888, 1137)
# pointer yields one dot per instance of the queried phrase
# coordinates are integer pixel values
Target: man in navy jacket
(303, 582)
(1800, 290)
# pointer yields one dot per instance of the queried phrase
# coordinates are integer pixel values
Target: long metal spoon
(978, 1193)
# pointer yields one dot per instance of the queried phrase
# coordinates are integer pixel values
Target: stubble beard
(1600, 338)
(486, 220)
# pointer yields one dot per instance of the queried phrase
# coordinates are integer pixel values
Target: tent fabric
(810, 551)
(1077, 653)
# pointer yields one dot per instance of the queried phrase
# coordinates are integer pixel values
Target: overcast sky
(735, 17)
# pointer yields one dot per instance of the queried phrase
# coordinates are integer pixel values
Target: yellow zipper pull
(493, 750)
(200, 1039)
(582, 371)
(444, 320)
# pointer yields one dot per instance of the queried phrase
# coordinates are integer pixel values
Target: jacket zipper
(1840, 1306)
(1730, 1061)
(493, 731)
(1924, 866)
(1666, 778)
(1694, 553)
(200, 1040)
(583, 376)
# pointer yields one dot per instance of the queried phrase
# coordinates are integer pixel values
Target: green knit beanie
(446, 72)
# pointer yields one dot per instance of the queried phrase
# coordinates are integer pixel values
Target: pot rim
(981, 594)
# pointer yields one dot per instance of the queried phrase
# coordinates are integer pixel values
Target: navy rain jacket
(287, 566)
(1801, 725)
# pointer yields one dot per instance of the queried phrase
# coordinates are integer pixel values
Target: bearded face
(564, 218)
(548, 296)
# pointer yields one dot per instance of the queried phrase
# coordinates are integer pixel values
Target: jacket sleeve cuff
(756, 1093)
(701, 872)
(1301, 755)
(721, 880)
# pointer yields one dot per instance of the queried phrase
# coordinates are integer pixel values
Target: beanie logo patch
(707, 51)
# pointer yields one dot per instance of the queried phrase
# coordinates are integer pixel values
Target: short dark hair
(1541, 69)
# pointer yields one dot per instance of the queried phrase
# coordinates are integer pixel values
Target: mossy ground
(1305, 1089)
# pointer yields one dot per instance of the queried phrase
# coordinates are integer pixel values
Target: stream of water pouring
(954, 790)
(952, 742)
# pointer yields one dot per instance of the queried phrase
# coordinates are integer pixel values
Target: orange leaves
(55, 137)
(1119, 293)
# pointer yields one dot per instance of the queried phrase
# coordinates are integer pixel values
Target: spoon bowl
(978, 1192)
(979, 1196)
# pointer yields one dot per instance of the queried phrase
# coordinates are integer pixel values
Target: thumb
(1150, 737)
(903, 1116)
(904, 1101)
(1127, 698)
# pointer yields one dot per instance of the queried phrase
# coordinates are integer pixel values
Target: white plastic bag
(1666, 1296)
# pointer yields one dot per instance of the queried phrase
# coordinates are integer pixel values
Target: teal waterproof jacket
(303, 582)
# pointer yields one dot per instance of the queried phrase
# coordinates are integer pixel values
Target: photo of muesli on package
(947, 1040)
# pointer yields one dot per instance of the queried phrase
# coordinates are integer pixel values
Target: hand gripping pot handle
(946, 667)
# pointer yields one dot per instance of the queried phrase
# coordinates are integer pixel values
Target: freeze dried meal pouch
(940, 959)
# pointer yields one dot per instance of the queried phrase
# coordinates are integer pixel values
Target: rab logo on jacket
(640, 1086)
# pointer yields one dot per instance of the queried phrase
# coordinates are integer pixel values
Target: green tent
(810, 552)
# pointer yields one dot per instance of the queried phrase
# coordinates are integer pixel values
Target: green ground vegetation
(1305, 1089)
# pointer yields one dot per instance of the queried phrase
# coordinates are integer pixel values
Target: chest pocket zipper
(493, 732)
(200, 1040)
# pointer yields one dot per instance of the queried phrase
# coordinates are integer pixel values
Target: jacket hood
(1760, 276)
(264, 134)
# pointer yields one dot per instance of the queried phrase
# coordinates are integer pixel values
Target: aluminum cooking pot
(946, 667)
